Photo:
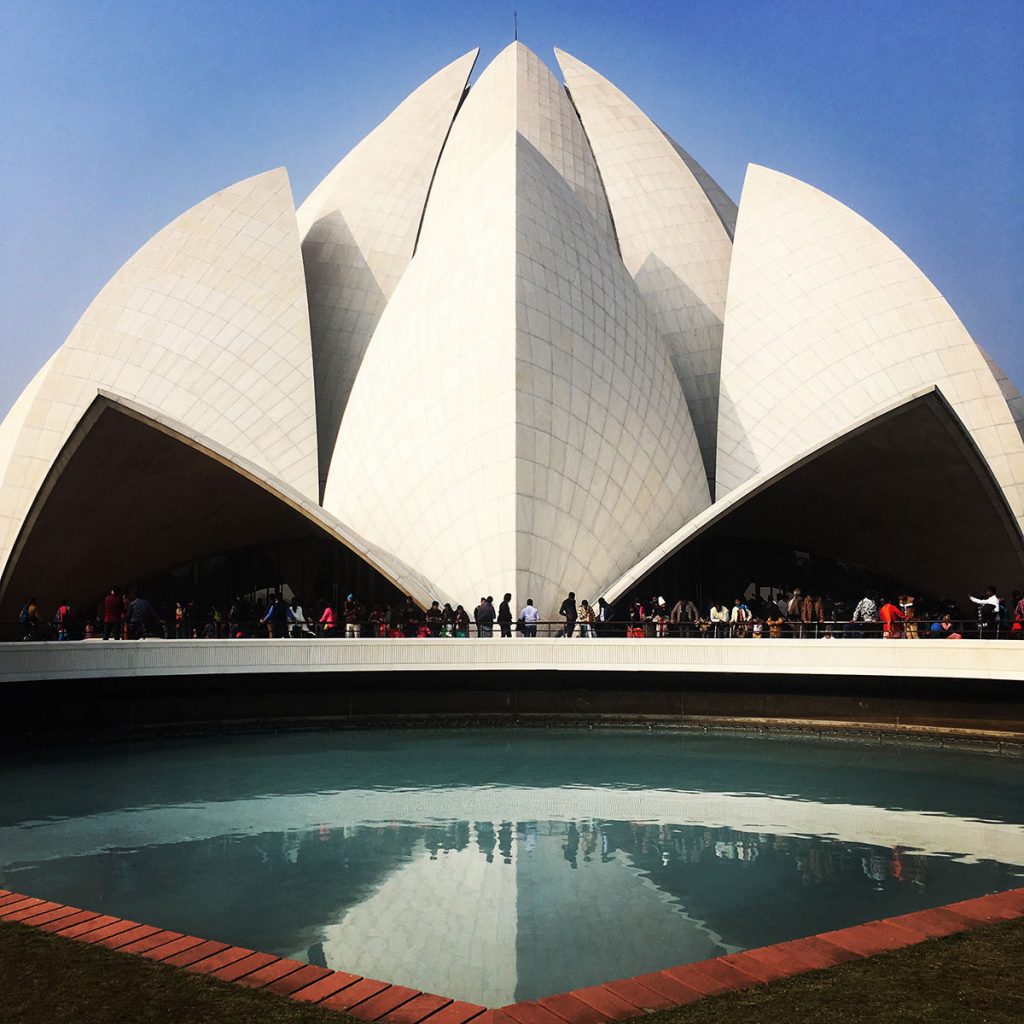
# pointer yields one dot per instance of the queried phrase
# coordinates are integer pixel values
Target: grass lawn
(977, 977)
(46, 978)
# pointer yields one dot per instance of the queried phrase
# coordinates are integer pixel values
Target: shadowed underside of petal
(176, 498)
(903, 494)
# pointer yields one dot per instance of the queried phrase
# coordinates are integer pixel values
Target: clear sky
(118, 116)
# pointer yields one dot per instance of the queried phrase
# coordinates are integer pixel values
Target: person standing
(485, 619)
(677, 616)
(505, 616)
(277, 618)
(238, 617)
(300, 628)
(988, 613)
(569, 613)
(29, 619)
(719, 616)
(62, 620)
(866, 613)
(587, 618)
(660, 616)
(447, 620)
(529, 616)
(140, 614)
(113, 608)
(352, 613)
(892, 620)
(328, 621)
(433, 618)
(739, 617)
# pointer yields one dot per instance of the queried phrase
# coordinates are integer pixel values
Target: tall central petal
(516, 423)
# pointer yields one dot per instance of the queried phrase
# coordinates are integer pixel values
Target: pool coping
(370, 1000)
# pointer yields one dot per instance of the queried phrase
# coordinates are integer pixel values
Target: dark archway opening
(131, 505)
(903, 505)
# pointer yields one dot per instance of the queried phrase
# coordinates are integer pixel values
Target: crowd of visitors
(795, 614)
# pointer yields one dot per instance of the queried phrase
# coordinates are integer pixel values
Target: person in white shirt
(719, 616)
(529, 617)
(988, 613)
(739, 617)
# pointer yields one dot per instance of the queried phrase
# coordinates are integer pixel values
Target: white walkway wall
(933, 659)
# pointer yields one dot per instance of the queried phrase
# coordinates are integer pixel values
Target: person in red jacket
(113, 608)
(892, 620)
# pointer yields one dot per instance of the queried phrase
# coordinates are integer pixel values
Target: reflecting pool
(497, 865)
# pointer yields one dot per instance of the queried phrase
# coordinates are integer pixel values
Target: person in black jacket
(484, 615)
(505, 616)
(569, 613)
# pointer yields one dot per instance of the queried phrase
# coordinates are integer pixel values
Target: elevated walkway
(933, 691)
(877, 659)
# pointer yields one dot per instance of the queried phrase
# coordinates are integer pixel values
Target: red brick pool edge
(371, 1000)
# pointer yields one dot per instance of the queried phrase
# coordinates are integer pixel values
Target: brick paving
(372, 1000)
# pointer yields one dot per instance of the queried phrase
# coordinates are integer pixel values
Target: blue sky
(119, 116)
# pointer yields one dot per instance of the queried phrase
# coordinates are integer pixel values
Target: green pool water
(498, 865)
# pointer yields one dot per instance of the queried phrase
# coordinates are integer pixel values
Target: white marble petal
(207, 322)
(674, 226)
(517, 92)
(1013, 397)
(516, 423)
(359, 228)
(826, 320)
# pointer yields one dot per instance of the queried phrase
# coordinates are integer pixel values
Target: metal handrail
(645, 629)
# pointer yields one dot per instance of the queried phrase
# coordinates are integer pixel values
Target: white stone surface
(518, 93)
(925, 659)
(516, 424)
(207, 323)
(827, 320)
(674, 226)
(517, 377)
(1009, 391)
(358, 230)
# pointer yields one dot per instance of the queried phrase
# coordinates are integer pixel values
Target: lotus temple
(517, 339)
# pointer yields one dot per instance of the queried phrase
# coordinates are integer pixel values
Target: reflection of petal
(507, 926)
(926, 832)
(388, 934)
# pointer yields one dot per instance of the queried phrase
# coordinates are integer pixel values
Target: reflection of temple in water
(337, 849)
(487, 909)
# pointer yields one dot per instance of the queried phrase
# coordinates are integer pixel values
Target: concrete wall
(928, 688)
